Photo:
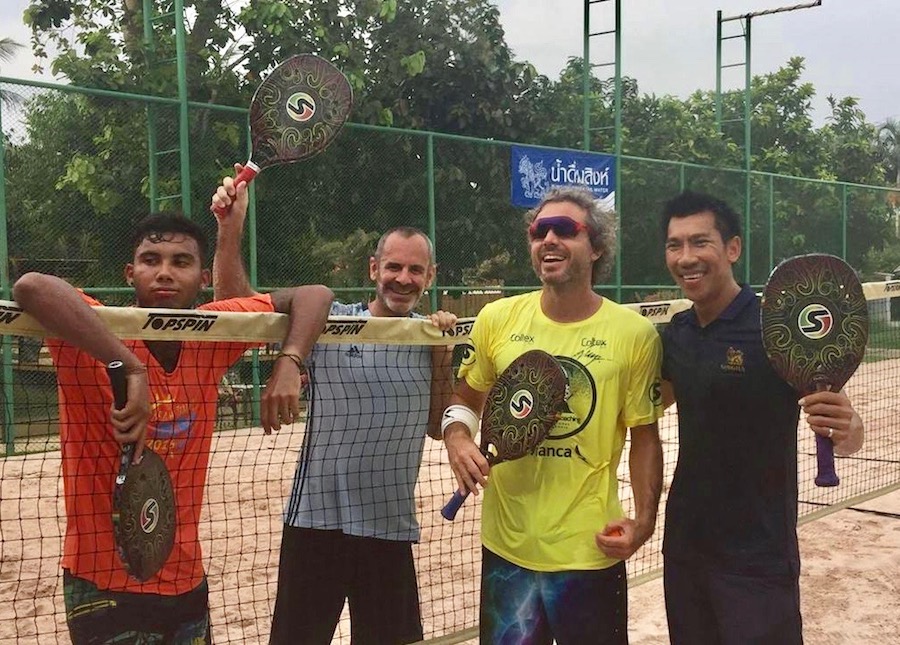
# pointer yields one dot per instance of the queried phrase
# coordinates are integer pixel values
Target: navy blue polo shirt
(733, 501)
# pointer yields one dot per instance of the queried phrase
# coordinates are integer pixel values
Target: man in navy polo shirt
(732, 562)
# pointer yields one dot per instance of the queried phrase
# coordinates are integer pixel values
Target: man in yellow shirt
(554, 534)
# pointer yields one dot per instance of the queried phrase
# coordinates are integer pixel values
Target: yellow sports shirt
(541, 512)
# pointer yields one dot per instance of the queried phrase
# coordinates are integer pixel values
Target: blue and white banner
(534, 171)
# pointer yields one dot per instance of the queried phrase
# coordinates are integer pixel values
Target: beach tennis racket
(143, 501)
(520, 410)
(296, 113)
(815, 326)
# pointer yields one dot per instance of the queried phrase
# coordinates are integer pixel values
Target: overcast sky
(669, 46)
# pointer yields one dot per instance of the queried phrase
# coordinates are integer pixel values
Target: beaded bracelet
(297, 360)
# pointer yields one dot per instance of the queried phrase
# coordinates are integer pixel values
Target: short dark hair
(728, 222)
(158, 226)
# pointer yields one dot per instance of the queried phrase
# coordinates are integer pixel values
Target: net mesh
(250, 477)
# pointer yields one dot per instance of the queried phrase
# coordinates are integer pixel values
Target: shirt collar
(743, 298)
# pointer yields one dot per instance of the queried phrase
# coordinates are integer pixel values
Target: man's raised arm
(229, 205)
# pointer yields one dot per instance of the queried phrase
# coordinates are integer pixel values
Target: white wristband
(460, 414)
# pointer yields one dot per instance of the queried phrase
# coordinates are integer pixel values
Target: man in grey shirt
(350, 520)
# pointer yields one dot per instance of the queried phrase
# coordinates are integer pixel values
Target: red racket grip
(247, 174)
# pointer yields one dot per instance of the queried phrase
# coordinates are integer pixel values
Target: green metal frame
(616, 64)
(746, 25)
(183, 148)
(6, 290)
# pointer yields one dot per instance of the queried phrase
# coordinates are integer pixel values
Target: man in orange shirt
(172, 394)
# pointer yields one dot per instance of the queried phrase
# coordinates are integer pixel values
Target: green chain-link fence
(77, 172)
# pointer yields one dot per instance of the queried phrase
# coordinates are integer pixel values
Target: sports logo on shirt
(815, 321)
(655, 392)
(581, 399)
(521, 404)
(467, 353)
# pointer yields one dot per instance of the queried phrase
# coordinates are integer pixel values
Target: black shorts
(97, 616)
(318, 570)
(709, 606)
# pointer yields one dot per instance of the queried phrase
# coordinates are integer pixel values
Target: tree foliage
(438, 65)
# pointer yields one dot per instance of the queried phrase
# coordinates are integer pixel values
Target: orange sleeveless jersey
(180, 431)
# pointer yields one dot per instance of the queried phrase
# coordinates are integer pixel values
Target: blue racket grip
(826, 476)
(449, 511)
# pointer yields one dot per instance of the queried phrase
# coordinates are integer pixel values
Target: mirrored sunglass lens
(563, 227)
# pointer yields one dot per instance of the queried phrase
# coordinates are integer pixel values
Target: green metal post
(183, 123)
(844, 221)
(586, 79)
(432, 220)
(618, 125)
(251, 218)
(747, 157)
(771, 222)
(681, 178)
(618, 82)
(6, 291)
(719, 70)
(152, 165)
(253, 271)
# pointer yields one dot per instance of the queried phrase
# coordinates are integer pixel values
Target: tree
(438, 65)
(889, 149)
(8, 48)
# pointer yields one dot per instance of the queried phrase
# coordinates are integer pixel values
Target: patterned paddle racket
(520, 410)
(143, 501)
(815, 326)
(296, 113)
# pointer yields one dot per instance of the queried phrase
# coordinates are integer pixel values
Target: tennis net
(374, 372)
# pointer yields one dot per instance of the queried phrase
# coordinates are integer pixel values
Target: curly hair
(602, 224)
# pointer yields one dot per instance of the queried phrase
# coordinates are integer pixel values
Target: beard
(398, 303)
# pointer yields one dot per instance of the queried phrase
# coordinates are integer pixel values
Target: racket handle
(116, 372)
(826, 476)
(249, 171)
(247, 174)
(449, 511)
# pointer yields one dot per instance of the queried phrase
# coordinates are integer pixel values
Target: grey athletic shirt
(366, 429)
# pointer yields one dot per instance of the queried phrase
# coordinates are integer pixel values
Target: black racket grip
(116, 372)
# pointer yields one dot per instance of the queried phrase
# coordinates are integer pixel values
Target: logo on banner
(533, 178)
(534, 171)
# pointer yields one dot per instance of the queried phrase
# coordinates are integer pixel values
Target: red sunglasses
(561, 225)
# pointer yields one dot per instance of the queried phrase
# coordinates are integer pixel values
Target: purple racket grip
(826, 475)
(449, 511)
